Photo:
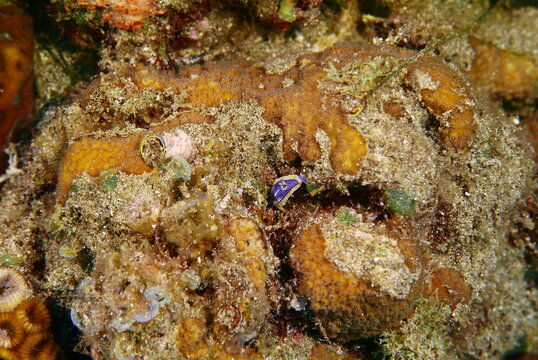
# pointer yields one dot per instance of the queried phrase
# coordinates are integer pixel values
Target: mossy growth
(399, 202)
(347, 216)
(108, 180)
(314, 189)
(357, 78)
(424, 336)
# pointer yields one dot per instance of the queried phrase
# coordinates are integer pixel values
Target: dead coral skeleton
(13, 162)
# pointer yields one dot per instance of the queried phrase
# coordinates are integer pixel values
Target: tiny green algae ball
(286, 11)
(108, 180)
(399, 202)
(179, 167)
(347, 216)
(314, 189)
(67, 252)
(9, 260)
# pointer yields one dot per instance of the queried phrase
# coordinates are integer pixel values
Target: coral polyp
(11, 330)
(24, 321)
(34, 315)
(13, 289)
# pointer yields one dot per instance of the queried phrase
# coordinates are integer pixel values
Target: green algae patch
(286, 11)
(347, 216)
(108, 181)
(67, 252)
(9, 260)
(399, 202)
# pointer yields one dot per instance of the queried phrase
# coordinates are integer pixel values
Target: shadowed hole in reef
(375, 8)
(66, 335)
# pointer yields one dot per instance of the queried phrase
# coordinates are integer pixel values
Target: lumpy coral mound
(241, 210)
(365, 285)
(306, 100)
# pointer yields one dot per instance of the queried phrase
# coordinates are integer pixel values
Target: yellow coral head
(38, 346)
(13, 289)
(8, 354)
(34, 315)
(11, 330)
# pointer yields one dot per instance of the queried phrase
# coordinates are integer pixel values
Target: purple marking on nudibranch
(284, 187)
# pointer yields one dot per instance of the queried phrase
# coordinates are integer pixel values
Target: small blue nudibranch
(284, 187)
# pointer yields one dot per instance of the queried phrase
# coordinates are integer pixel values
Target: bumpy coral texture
(13, 289)
(124, 14)
(348, 304)
(24, 325)
(293, 100)
(16, 47)
(503, 73)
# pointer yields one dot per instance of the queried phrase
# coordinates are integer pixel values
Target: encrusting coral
(294, 101)
(16, 93)
(343, 270)
(503, 73)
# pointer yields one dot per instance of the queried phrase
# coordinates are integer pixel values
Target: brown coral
(13, 289)
(38, 346)
(34, 315)
(16, 95)
(325, 352)
(449, 286)
(11, 330)
(23, 324)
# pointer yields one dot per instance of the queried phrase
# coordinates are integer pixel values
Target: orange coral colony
(503, 73)
(294, 100)
(346, 303)
(16, 47)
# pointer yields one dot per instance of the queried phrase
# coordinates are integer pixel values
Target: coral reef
(239, 181)
(361, 267)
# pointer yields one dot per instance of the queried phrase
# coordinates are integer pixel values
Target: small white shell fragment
(177, 142)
